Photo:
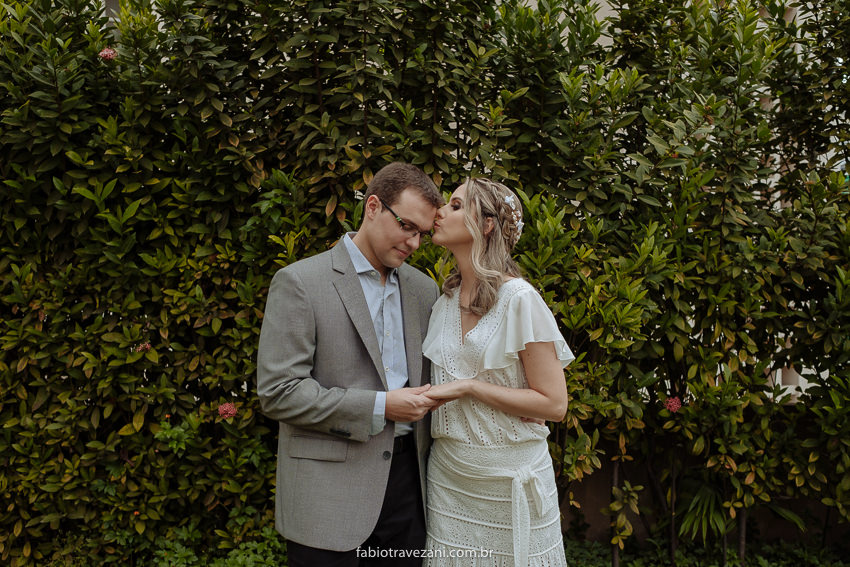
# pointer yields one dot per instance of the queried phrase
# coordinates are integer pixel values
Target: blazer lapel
(351, 294)
(412, 333)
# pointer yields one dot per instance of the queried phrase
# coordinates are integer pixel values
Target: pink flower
(144, 347)
(673, 404)
(107, 53)
(227, 410)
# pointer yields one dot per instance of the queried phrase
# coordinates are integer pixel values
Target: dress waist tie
(520, 478)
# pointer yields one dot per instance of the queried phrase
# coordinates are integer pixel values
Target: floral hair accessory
(516, 219)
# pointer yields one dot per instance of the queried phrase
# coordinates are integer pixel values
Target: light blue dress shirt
(384, 301)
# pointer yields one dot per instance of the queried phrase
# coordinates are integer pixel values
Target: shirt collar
(358, 260)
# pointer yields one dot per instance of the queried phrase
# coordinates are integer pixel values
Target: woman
(497, 365)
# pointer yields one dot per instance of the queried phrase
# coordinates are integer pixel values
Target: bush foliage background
(685, 186)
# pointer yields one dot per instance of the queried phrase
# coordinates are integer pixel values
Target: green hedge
(687, 221)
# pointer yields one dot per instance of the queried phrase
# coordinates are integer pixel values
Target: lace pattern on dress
(499, 499)
(465, 362)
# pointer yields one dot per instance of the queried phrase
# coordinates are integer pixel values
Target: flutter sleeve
(527, 319)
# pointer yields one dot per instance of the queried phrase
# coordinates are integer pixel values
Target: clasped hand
(409, 404)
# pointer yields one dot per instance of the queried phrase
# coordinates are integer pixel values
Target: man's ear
(371, 207)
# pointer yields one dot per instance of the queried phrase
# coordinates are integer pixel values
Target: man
(340, 367)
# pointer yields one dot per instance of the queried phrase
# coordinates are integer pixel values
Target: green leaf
(131, 210)
(649, 200)
(659, 144)
(139, 420)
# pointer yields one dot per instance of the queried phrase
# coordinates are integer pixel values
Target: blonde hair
(491, 252)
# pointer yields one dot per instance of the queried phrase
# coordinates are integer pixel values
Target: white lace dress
(492, 498)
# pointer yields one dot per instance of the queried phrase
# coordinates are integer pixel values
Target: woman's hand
(451, 390)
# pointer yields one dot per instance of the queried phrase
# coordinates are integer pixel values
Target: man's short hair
(395, 177)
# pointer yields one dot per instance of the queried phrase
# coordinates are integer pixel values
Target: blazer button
(387, 455)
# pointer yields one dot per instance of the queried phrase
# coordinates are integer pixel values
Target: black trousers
(400, 527)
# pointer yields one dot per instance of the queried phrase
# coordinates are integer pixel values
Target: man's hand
(408, 404)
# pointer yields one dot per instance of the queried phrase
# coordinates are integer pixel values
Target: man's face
(396, 230)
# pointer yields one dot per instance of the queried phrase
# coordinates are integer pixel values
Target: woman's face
(449, 227)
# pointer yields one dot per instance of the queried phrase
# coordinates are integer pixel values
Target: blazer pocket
(325, 448)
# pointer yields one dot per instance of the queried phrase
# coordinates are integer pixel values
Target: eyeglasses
(407, 227)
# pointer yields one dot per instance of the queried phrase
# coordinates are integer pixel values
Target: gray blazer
(318, 370)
